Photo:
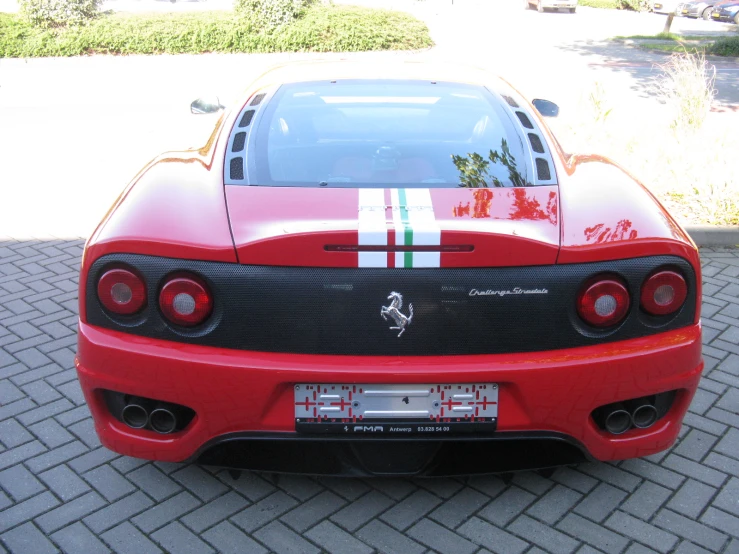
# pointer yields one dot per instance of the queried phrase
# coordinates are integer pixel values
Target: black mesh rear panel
(337, 311)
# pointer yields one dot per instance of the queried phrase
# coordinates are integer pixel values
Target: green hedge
(726, 46)
(321, 29)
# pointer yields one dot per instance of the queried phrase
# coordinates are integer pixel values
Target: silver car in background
(542, 5)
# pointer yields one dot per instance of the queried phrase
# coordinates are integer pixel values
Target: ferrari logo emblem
(393, 310)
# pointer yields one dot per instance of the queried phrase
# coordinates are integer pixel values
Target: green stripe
(408, 230)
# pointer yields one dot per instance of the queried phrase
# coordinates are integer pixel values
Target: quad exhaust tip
(135, 415)
(619, 417)
(163, 421)
(618, 421)
(644, 416)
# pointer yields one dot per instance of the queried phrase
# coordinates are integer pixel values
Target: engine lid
(391, 227)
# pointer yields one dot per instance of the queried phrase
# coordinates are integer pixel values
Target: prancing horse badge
(393, 310)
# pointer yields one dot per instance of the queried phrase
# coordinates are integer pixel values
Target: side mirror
(545, 107)
(208, 104)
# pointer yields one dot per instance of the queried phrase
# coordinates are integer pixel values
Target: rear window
(360, 134)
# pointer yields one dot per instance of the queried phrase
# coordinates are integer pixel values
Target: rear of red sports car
(397, 273)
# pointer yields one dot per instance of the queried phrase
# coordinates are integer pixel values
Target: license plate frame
(396, 409)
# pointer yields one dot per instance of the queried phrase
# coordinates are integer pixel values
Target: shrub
(726, 46)
(59, 13)
(271, 14)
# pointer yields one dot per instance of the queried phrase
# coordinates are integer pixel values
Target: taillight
(185, 301)
(603, 302)
(121, 291)
(663, 293)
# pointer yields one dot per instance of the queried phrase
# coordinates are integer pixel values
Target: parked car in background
(696, 9)
(542, 5)
(728, 11)
(665, 6)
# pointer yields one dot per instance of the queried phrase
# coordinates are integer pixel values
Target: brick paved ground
(61, 491)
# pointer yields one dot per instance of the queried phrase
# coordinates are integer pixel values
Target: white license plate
(394, 409)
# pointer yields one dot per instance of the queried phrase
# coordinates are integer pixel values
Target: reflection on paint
(475, 171)
(600, 233)
(513, 204)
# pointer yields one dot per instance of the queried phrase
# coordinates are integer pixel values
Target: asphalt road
(74, 131)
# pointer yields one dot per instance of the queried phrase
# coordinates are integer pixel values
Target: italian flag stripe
(414, 224)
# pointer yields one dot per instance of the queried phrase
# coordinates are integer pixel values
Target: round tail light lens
(603, 302)
(664, 293)
(121, 291)
(185, 301)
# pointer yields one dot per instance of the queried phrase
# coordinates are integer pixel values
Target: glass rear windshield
(409, 134)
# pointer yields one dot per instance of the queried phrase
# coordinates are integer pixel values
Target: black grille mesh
(337, 311)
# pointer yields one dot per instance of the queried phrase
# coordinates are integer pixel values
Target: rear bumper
(243, 397)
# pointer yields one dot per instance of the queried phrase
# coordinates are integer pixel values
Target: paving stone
(27, 539)
(495, 539)
(300, 486)
(554, 504)
(729, 444)
(646, 500)
(489, 485)
(248, 484)
(691, 498)
(687, 547)
(28, 509)
(695, 445)
(227, 539)
(77, 538)
(264, 511)
(160, 514)
(612, 475)
(387, 540)
(410, 510)
(396, 489)
(336, 541)
(204, 486)
(55, 457)
(69, 512)
(92, 459)
(51, 433)
(47, 410)
(309, 513)
(9, 392)
(215, 511)
(108, 482)
(532, 482)
(351, 489)
(357, 513)
(41, 392)
(507, 506)
(601, 501)
(64, 482)
(282, 539)
(13, 434)
(176, 538)
(119, 511)
(19, 407)
(728, 498)
(593, 533)
(641, 531)
(20, 483)
(691, 530)
(459, 507)
(718, 519)
(440, 539)
(543, 535)
(697, 471)
(85, 431)
(153, 482)
(653, 472)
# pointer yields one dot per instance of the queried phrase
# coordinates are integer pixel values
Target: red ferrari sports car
(387, 270)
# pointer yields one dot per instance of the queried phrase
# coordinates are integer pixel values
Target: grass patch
(675, 47)
(667, 36)
(727, 46)
(322, 29)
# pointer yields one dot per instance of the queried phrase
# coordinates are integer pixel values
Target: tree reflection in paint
(528, 207)
(474, 170)
(600, 233)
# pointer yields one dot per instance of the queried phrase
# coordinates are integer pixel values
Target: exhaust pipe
(163, 420)
(618, 420)
(135, 414)
(644, 416)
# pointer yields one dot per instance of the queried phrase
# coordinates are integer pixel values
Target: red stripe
(390, 228)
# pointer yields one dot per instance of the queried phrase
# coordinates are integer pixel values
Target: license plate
(685, 11)
(658, 6)
(714, 15)
(370, 409)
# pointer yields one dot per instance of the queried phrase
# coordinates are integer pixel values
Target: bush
(726, 46)
(59, 13)
(271, 14)
(686, 86)
(632, 5)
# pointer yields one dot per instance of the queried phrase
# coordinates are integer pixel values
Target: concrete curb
(709, 235)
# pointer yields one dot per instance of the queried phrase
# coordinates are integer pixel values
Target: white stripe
(426, 231)
(372, 226)
(398, 223)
